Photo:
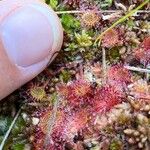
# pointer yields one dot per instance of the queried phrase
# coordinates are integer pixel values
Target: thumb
(30, 35)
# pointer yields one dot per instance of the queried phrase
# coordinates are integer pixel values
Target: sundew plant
(96, 93)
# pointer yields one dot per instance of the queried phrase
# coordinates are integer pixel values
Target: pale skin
(12, 75)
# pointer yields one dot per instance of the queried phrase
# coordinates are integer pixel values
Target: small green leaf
(53, 3)
(83, 39)
(130, 23)
(19, 126)
(65, 76)
(69, 22)
(106, 3)
(71, 47)
(18, 146)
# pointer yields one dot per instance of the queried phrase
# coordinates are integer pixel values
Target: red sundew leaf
(76, 122)
(57, 137)
(119, 74)
(55, 143)
(34, 92)
(46, 116)
(146, 44)
(100, 106)
(63, 131)
(75, 90)
(38, 142)
(106, 98)
(63, 90)
(142, 55)
(79, 92)
(90, 18)
(143, 52)
(80, 88)
(111, 39)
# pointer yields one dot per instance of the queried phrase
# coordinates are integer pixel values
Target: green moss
(115, 145)
(69, 22)
(18, 137)
(4, 124)
(65, 76)
(18, 146)
(19, 126)
(71, 47)
(130, 23)
(53, 3)
(114, 53)
(83, 39)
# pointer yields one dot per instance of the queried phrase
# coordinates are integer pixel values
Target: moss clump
(116, 145)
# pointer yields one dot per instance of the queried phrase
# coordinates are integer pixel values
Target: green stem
(121, 20)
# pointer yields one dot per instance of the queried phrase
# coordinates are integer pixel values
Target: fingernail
(27, 36)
